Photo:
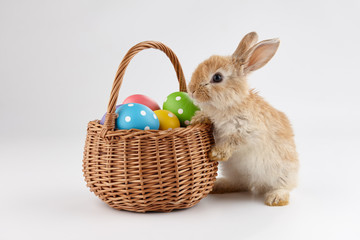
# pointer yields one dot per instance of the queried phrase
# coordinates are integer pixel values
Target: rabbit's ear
(247, 42)
(260, 54)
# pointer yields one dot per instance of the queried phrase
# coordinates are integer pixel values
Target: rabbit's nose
(192, 93)
(191, 89)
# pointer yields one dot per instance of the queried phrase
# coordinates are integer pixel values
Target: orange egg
(167, 119)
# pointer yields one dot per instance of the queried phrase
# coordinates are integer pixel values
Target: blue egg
(138, 116)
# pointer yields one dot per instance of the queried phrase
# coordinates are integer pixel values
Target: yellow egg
(167, 119)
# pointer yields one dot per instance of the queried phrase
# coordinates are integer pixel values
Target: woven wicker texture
(148, 170)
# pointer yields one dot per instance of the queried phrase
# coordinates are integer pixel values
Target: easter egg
(137, 116)
(182, 106)
(167, 120)
(142, 99)
(102, 121)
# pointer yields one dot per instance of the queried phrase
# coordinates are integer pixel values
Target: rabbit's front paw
(199, 118)
(219, 154)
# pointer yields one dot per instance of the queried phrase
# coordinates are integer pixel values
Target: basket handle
(109, 123)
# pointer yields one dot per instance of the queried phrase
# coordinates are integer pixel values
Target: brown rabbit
(253, 140)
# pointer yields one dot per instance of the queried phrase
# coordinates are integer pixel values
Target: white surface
(57, 62)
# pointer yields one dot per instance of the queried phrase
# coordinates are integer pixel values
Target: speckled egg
(142, 99)
(167, 120)
(182, 106)
(137, 116)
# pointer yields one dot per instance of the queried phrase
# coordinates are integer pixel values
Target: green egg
(182, 106)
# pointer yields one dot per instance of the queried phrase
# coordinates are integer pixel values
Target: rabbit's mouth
(200, 95)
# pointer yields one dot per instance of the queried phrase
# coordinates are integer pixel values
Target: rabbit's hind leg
(226, 185)
(277, 197)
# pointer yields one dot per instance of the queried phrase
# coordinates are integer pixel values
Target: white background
(57, 63)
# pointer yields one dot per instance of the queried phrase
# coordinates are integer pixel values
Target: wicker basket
(148, 170)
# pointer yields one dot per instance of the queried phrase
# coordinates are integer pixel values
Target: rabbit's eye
(217, 78)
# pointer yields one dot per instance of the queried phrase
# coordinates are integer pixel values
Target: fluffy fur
(253, 140)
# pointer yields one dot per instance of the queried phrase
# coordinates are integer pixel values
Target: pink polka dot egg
(136, 116)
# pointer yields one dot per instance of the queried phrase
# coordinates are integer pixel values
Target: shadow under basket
(148, 170)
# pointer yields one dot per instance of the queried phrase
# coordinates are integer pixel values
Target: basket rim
(126, 133)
